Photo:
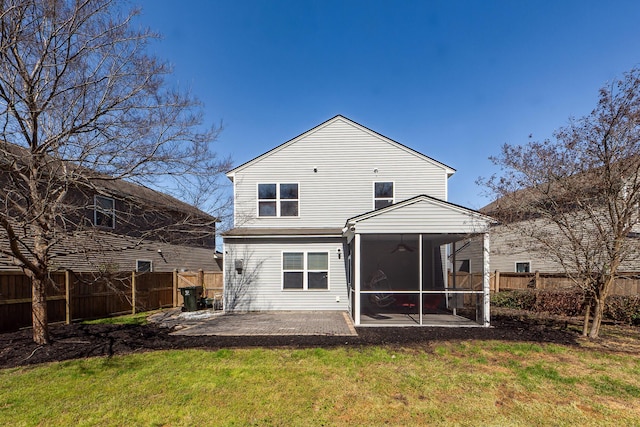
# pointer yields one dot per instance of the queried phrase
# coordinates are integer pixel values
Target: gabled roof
(419, 198)
(420, 214)
(231, 173)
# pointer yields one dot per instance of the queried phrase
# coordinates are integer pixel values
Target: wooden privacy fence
(75, 296)
(211, 283)
(626, 284)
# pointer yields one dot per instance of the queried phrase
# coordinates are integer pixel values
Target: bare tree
(576, 198)
(82, 104)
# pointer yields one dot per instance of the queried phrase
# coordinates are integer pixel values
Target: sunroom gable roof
(420, 214)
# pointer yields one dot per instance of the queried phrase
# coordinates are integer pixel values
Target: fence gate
(211, 282)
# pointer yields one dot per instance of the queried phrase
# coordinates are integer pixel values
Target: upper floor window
(104, 211)
(382, 194)
(278, 199)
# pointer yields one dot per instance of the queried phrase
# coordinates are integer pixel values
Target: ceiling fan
(402, 247)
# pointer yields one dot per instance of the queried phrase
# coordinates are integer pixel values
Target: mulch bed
(79, 341)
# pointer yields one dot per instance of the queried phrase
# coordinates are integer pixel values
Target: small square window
(463, 265)
(144, 266)
(523, 267)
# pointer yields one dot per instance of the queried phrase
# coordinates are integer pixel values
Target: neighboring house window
(523, 267)
(464, 266)
(144, 266)
(278, 199)
(305, 270)
(104, 211)
(382, 194)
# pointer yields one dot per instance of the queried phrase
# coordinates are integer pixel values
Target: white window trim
(96, 208)
(373, 188)
(305, 270)
(278, 200)
(144, 260)
(515, 265)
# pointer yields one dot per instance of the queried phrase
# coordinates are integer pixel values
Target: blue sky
(452, 79)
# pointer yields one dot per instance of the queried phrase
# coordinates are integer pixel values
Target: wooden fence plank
(74, 295)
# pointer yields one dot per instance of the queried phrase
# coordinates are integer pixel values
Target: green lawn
(471, 383)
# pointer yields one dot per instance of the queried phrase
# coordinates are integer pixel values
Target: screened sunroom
(400, 260)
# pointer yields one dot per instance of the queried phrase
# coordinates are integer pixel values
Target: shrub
(568, 303)
(520, 300)
(623, 309)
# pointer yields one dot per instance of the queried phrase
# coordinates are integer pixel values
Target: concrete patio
(208, 322)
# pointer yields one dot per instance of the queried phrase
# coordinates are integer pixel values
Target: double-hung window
(104, 211)
(305, 270)
(382, 194)
(278, 200)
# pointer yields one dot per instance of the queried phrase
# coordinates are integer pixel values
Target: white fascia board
(285, 236)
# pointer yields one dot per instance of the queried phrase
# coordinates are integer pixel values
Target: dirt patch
(80, 341)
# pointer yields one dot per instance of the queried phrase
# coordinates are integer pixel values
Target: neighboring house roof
(566, 192)
(120, 188)
(231, 173)
(94, 249)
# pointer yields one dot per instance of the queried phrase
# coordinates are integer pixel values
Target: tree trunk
(39, 310)
(587, 314)
(598, 312)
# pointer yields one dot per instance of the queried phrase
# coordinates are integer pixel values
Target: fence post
(201, 281)
(497, 281)
(536, 280)
(67, 297)
(133, 292)
(175, 287)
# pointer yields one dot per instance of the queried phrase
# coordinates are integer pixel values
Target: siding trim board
(268, 233)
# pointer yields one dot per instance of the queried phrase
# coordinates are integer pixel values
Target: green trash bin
(191, 295)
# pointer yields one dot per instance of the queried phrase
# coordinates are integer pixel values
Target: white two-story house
(343, 218)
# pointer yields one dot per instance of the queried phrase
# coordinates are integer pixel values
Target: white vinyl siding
(263, 262)
(347, 160)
